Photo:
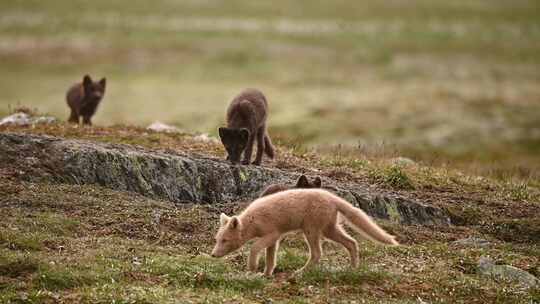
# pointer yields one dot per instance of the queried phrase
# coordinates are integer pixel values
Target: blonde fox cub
(313, 211)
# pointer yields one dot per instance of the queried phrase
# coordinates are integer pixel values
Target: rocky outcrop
(508, 273)
(176, 177)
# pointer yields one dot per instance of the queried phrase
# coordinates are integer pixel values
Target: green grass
(16, 266)
(201, 272)
(393, 176)
(321, 276)
(55, 279)
(109, 250)
(21, 241)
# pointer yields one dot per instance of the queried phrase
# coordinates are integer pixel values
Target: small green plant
(289, 261)
(58, 279)
(393, 176)
(341, 161)
(519, 191)
(322, 275)
(202, 272)
(20, 241)
(17, 266)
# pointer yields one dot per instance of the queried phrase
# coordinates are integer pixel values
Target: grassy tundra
(70, 243)
(439, 81)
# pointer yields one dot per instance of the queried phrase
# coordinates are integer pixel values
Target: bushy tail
(364, 224)
(268, 147)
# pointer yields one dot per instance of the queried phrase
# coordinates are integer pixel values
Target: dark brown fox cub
(83, 99)
(302, 182)
(246, 122)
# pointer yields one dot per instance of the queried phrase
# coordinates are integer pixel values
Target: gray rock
(23, 119)
(472, 242)
(507, 273)
(158, 126)
(180, 178)
(43, 120)
(18, 119)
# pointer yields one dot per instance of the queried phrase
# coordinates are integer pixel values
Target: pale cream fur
(313, 211)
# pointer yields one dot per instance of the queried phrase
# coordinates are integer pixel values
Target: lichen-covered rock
(176, 177)
(23, 119)
(507, 273)
(158, 126)
(472, 242)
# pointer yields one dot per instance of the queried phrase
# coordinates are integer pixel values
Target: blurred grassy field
(438, 81)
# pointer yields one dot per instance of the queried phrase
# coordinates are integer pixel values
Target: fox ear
(222, 132)
(87, 81)
(223, 219)
(317, 182)
(103, 82)
(302, 182)
(234, 222)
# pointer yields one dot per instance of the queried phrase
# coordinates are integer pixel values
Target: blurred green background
(438, 81)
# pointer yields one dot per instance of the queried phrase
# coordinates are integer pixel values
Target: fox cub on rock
(302, 183)
(246, 122)
(83, 99)
(313, 211)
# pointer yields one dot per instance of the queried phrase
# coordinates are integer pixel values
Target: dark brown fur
(246, 123)
(302, 182)
(83, 99)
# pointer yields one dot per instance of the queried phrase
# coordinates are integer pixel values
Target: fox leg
(264, 242)
(86, 120)
(337, 234)
(74, 117)
(260, 146)
(315, 251)
(271, 252)
(249, 149)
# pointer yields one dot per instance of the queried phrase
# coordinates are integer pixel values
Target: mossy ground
(82, 243)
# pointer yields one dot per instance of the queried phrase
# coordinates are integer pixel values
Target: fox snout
(217, 253)
(97, 95)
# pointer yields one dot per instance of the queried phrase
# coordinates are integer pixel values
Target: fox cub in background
(302, 183)
(246, 122)
(313, 211)
(83, 99)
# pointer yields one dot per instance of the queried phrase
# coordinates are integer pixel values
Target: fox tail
(364, 224)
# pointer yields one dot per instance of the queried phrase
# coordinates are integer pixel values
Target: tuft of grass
(535, 295)
(202, 272)
(21, 241)
(519, 191)
(393, 176)
(351, 163)
(321, 275)
(23, 109)
(52, 223)
(14, 267)
(57, 278)
(289, 261)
